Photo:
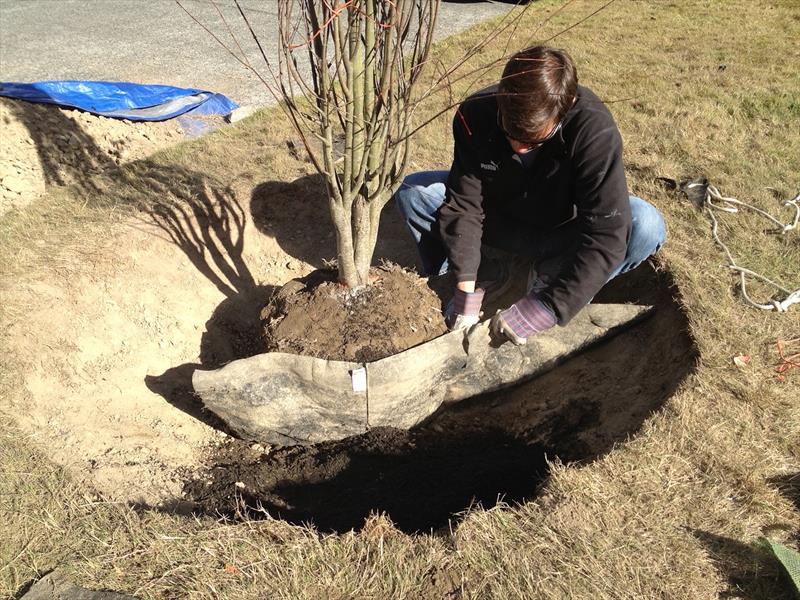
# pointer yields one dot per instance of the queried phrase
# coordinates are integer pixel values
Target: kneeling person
(537, 172)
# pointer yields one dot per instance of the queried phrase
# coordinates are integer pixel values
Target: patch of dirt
(45, 145)
(319, 317)
(106, 378)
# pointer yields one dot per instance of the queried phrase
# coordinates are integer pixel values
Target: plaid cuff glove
(463, 310)
(523, 319)
(467, 303)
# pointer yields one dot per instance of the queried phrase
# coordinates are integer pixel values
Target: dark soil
(418, 478)
(316, 316)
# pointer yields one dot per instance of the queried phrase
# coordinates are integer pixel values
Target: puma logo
(490, 166)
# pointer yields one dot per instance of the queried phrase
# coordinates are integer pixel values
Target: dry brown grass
(672, 513)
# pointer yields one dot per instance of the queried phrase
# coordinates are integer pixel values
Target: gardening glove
(522, 319)
(464, 310)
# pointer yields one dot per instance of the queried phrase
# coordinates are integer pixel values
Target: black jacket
(574, 182)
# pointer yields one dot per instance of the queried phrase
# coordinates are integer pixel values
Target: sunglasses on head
(528, 142)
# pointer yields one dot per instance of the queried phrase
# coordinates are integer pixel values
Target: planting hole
(483, 450)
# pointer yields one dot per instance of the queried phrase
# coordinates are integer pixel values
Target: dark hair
(539, 85)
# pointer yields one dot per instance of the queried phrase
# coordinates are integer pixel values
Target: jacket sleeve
(461, 215)
(603, 223)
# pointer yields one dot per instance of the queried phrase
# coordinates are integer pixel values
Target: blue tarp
(122, 100)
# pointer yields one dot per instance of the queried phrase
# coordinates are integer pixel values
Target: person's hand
(501, 331)
(522, 319)
(464, 310)
(458, 322)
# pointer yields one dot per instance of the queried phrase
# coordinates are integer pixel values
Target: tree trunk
(362, 236)
(342, 224)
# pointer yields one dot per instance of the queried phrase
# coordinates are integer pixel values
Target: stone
(406, 388)
(279, 398)
(237, 114)
(56, 586)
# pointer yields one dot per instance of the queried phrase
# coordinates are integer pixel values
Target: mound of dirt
(45, 145)
(318, 317)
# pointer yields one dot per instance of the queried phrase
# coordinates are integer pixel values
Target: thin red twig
(464, 121)
(335, 12)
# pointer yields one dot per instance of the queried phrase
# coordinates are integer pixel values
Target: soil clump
(316, 316)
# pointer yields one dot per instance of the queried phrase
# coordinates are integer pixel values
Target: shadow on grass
(751, 571)
(296, 214)
(789, 487)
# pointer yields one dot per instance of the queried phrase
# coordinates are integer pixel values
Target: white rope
(730, 205)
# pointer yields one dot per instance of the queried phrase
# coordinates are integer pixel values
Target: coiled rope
(732, 205)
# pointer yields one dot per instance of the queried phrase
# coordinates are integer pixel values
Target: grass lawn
(698, 88)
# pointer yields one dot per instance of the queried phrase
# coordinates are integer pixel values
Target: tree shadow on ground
(296, 214)
(485, 449)
(67, 154)
(206, 221)
(789, 487)
(750, 571)
(199, 215)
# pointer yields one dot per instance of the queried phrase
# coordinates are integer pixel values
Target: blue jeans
(421, 194)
